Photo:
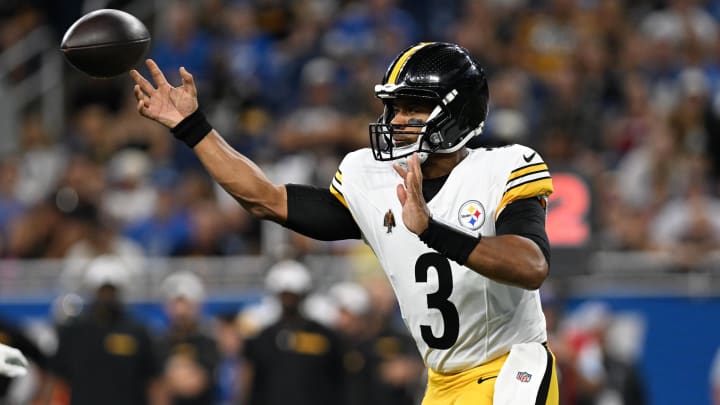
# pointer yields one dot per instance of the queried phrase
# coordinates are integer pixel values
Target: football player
(470, 251)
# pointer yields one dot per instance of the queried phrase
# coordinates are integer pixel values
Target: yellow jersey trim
(335, 186)
(534, 188)
(538, 167)
(339, 196)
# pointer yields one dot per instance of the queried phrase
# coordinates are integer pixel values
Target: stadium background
(622, 99)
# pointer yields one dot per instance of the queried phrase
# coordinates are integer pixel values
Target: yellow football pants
(477, 386)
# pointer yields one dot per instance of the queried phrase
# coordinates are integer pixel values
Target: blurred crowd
(624, 95)
(341, 345)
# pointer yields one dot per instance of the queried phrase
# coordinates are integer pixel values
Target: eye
(414, 109)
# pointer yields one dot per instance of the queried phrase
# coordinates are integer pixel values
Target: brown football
(105, 43)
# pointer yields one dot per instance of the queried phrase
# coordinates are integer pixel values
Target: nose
(401, 134)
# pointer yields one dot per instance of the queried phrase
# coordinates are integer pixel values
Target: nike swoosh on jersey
(529, 158)
(483, 379)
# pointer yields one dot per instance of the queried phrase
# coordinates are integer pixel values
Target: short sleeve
(529, 177)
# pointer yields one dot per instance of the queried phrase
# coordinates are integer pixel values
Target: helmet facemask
(387, 139)
(432, 135)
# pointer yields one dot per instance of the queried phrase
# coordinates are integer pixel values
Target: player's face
(408, 112)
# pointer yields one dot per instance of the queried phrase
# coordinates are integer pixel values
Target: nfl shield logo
(523, 376)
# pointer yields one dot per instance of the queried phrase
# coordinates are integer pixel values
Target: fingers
(413, 179)
(157, 74)
(141, 96)
(401, 194)
(143, 102)
(400, 170)
(141, 108)
(142, 82)
(414, 165)
(188, 82)
(413, 187)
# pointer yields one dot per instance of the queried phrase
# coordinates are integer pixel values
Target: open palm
(415, 212)
(165, 104)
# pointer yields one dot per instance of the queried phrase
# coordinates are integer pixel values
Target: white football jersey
(459, 318)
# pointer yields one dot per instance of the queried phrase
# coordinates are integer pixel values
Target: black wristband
(451, 243)
(192, 129)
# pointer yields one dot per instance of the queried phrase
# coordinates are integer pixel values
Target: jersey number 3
(439, 300)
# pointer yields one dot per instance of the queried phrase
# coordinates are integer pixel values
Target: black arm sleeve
(315, 212)
(526, 218)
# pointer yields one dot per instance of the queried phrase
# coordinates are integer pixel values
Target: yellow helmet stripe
(395, 72)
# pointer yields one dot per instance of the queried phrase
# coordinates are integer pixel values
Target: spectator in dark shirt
(381, 363)
(189, 356)
(294, 360)
(105, 356)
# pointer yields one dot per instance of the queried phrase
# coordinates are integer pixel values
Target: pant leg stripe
(545, 384)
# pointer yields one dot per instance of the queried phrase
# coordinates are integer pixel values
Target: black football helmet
(445, 75)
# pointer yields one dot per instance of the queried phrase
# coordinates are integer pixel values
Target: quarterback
(460, 232)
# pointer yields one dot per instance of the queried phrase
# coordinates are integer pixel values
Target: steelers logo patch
(472, 215)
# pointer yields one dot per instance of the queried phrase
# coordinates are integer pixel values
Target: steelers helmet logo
(472, 215)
